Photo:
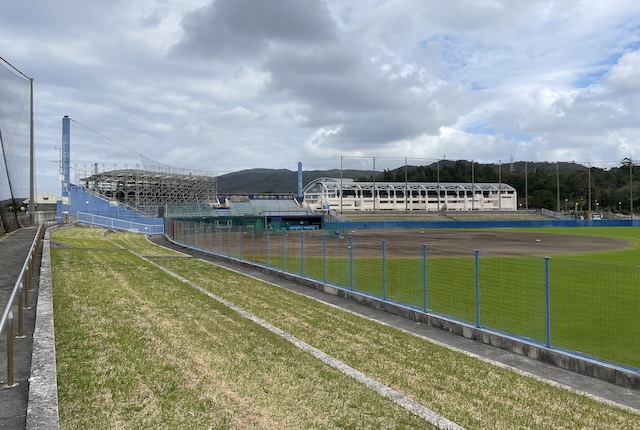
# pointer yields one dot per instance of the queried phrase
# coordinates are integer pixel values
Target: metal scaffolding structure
(152, 186)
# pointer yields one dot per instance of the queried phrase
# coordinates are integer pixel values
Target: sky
(227, 85)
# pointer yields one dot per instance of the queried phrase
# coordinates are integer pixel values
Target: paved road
(13, 401)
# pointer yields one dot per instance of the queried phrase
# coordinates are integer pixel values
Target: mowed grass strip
(471, 393)
(141, 245)
(82, 237)
(138, 349)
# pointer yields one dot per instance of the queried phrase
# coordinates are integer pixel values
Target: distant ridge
(278, 180)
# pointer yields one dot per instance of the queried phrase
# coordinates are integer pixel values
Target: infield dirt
(441, 242)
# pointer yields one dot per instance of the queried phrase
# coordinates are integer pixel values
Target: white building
(340, 195)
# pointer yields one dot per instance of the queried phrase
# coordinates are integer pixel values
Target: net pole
(32, 169)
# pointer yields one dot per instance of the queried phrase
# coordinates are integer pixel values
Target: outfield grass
(627, 256)
(138, 349)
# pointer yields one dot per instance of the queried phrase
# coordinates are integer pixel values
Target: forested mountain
(542, 183)
(277, 181)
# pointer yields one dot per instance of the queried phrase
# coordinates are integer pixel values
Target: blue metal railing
(119, 224)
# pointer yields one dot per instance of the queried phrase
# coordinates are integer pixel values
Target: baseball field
(139, 348)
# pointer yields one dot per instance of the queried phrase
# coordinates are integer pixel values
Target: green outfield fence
(584, 308)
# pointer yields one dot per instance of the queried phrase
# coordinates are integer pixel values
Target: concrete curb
(42, 410)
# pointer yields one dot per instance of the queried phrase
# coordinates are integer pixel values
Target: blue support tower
(300, 196)
(66, 145)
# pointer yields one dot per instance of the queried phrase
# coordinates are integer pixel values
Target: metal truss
(152, 186)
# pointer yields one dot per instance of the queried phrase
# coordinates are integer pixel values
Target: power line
(143, 157)
(109, 139)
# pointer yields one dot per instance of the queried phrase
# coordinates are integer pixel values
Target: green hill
(277, 180)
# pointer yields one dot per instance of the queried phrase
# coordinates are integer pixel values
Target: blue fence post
(546, 288)
(384, 271)
(351, 262)
(211, 237)
(282, 246)
(202, 229)
(424, 276)
(219, 241)
(324, 258)
(302, 253)
(228, 240)
(266, 239)
(477, 289)
(240, 241)
(253, 244)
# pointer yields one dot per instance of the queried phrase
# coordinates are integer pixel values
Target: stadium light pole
(499, 185)
(526, 185)
(589, 188)
(340, 184)
(438, 177)
(631, 187)
(473, 186)
(558, 185)
(373, 190)
(406, 185)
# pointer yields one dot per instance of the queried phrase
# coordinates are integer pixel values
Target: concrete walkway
(13, 401)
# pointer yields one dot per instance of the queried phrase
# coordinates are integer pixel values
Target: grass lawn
(82, 237)
(139, 349)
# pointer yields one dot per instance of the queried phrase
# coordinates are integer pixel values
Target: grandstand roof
(346, 184)
(137, 187)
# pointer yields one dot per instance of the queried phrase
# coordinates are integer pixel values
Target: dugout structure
(340, 194)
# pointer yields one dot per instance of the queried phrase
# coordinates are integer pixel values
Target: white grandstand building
(340, 194)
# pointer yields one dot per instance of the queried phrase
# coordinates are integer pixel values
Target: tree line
(562, 186)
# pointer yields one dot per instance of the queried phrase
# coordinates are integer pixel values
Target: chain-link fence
(583, 307)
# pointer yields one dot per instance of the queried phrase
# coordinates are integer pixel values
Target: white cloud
(232, 84)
